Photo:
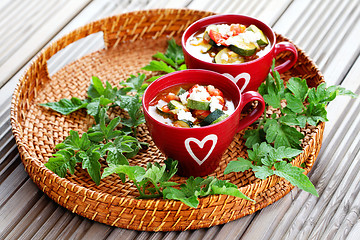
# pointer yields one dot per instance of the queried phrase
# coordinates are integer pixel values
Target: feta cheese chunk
(215, 104)
(199, 94)
(182, 115)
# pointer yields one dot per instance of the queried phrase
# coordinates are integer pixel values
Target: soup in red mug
(191, 106)
(248, 75)
(198, 149)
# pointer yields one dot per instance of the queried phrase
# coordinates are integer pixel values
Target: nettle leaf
(175, 52)
(295, 176)
(259, 151)
(294, 103)
(158, 66)
(134, 173)
(283, 152)
(63, 160)
(315, 113)
(66, 106)
(135, 83)
(298, 87)
(282, 135)
(91, 163)
(170, 170)
(227, 188)
(254, 136)
(262, 172)
(168, 60)
(96, 88)
(178, 194)
(74, 142)
(240, 165)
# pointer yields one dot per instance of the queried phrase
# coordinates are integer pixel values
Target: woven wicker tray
(131, 39)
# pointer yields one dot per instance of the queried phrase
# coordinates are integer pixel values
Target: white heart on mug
(211, 137)
(243, 75)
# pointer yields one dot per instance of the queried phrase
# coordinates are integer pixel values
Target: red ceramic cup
(248, 76)
(199, 150)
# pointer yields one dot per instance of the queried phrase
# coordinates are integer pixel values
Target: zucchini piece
(263, 41)
(226, 56)
(183, 124)
(173, 104)
(207, 39)
(242, 48)
(222, 117)
(181, 91)
(198, 105)
(212, 117)
(162, 113)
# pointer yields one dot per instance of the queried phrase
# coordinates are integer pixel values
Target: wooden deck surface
(328, 31)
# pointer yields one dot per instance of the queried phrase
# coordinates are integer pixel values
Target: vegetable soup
(191, 105)
(228, 44)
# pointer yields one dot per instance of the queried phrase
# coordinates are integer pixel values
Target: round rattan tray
(131, 39)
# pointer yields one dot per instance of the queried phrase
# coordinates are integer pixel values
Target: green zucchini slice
(165, 114)
(263, 41)
(212, 117)
(173, 104)
(183, 124)
(198, 105)
(181, 91)
(242, 48)
(226, 56)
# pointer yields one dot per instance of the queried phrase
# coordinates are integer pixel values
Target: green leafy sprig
(173, 60)
(276, 141)
(154, 182)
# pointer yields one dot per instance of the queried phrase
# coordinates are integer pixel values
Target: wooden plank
(340, 206)
(33, 219)
(38, 40)
(328, 159)
(11, 213)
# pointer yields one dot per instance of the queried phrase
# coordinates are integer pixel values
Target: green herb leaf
(74, 142)
(295, 176)
(63, 161)
(298, 87)
(158, 66)
(238, 166)
(90, 162)
(66, 106)
(282, 135)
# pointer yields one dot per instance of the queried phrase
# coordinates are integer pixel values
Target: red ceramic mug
(199, 150)
(249, 75)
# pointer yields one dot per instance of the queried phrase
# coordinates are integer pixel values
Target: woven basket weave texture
(131, 39)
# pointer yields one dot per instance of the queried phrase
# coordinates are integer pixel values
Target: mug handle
(285, 46)
(248, 97)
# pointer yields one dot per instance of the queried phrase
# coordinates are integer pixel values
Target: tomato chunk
(237, 29)
(217, 37)
(201, 114)
(214, 91)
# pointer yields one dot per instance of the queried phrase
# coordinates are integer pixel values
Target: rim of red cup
(225, 19)
(201, 71)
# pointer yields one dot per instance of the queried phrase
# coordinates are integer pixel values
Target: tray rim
(28, 160)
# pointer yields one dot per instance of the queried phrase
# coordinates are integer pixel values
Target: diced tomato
(169, 97)
(165, 109)
(214, 91)
(201, 114)
(192, 88)
(237, 29)
(221, 100)
(217, 37)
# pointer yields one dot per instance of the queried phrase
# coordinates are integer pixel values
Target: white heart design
(201, 144)
(243, 75)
